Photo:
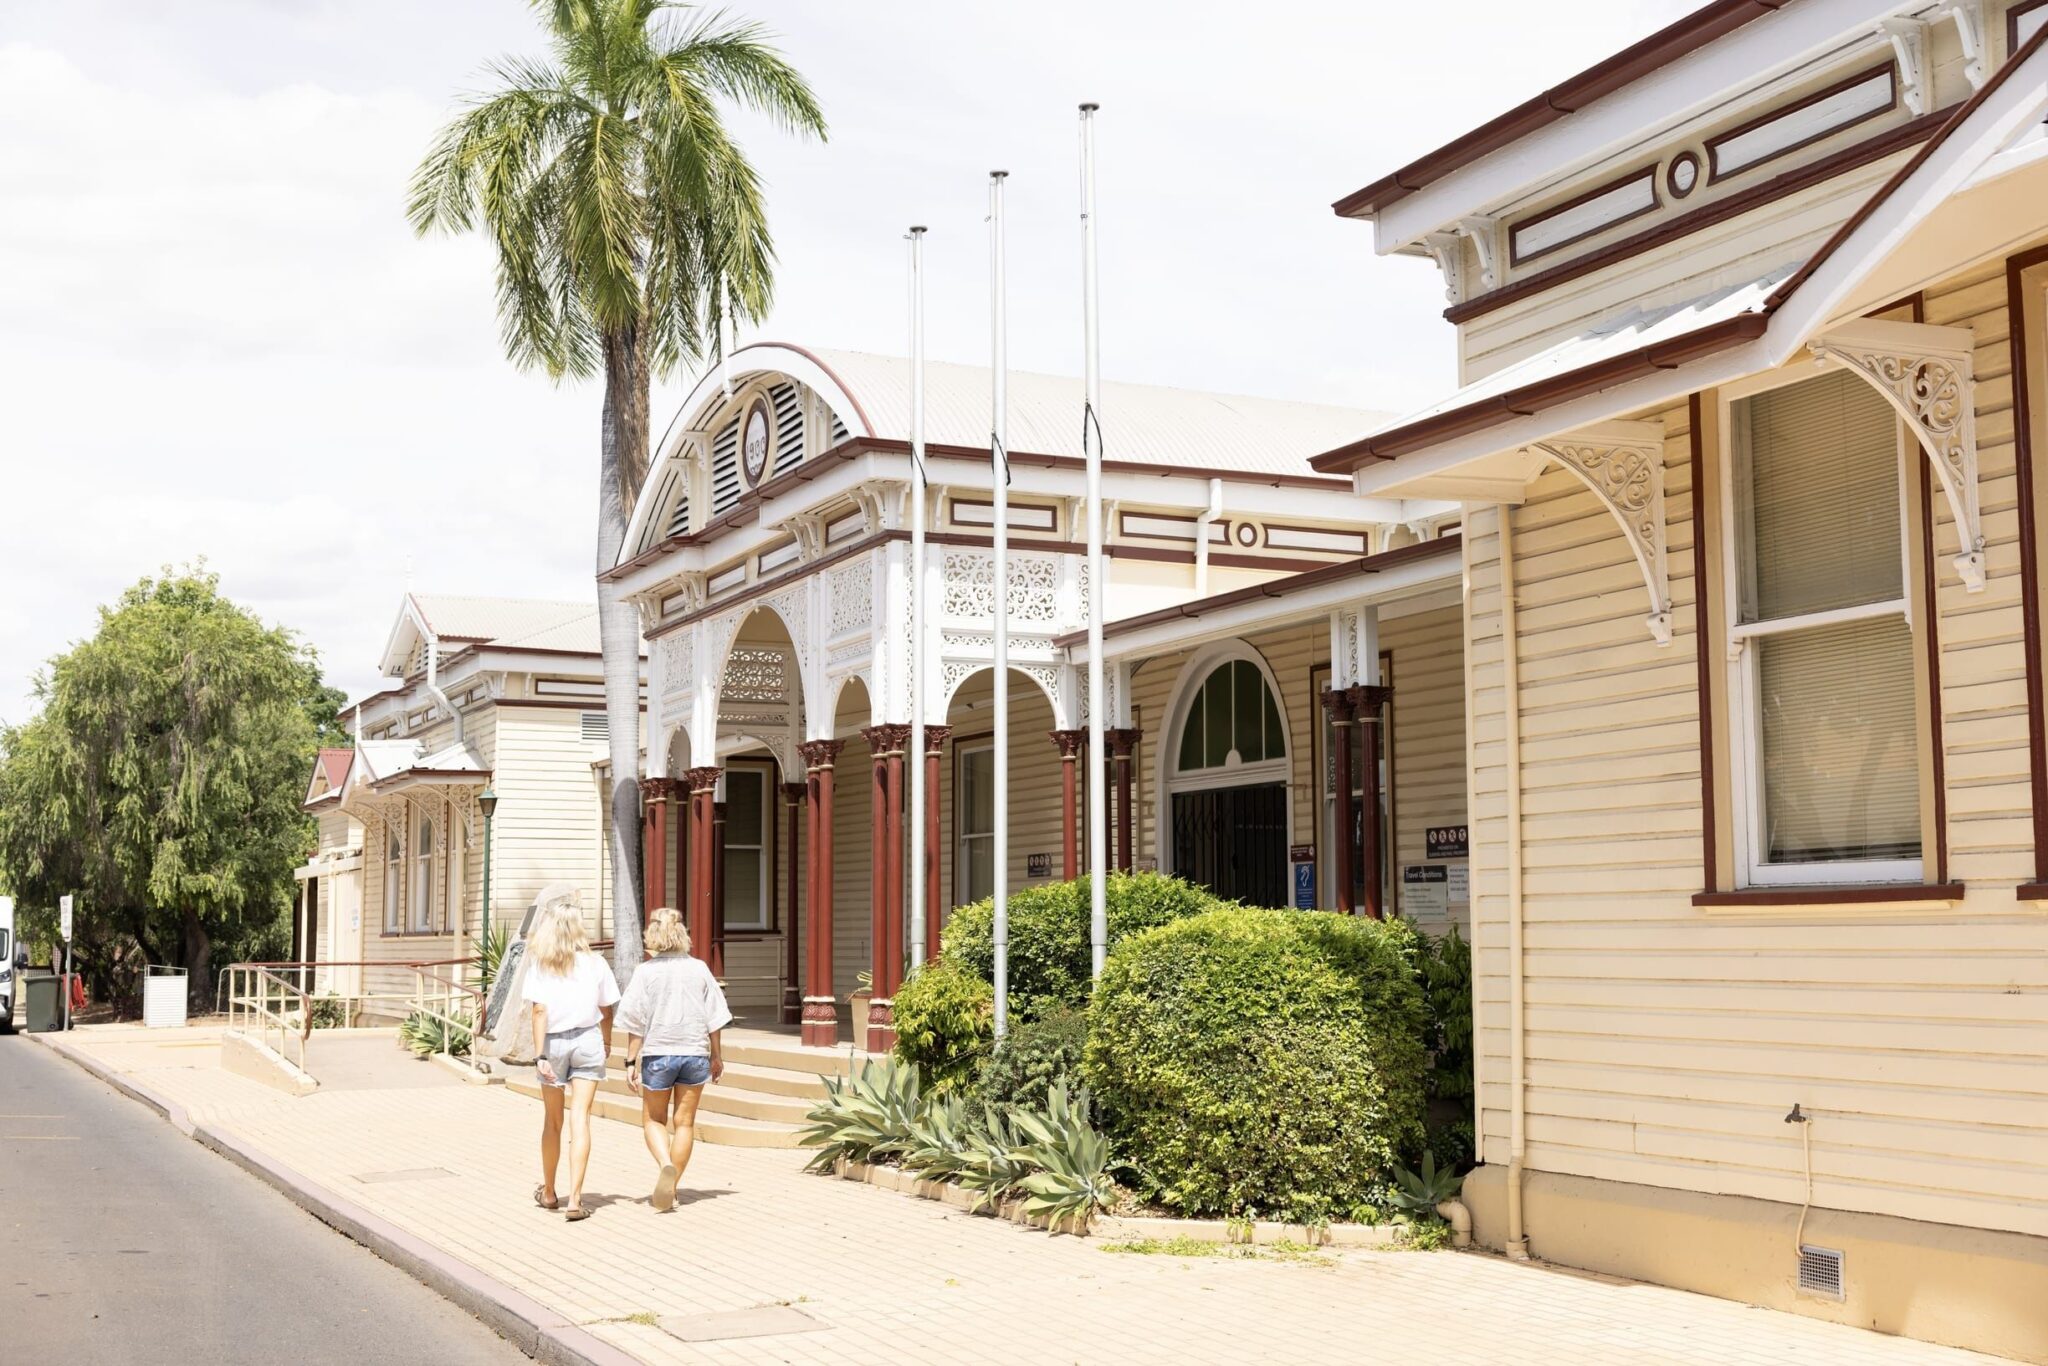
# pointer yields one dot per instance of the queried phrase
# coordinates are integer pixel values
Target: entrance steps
(769, 1085)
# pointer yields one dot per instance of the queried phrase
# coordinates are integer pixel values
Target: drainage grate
(1820, 1272)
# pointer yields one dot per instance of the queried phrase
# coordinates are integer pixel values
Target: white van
(10, 965)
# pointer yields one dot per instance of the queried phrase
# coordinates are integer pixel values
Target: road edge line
(540, 1332)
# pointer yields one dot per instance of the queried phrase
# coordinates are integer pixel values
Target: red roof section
(333, 765)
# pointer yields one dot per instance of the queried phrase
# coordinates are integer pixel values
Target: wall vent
(1820, 1272)
(597, 730)
(725, 467)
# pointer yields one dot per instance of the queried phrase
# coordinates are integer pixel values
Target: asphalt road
(121, 1240)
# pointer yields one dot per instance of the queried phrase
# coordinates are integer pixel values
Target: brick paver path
(890, 1278)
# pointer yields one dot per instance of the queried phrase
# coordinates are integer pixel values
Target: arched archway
(967, 795)
(1223, 773)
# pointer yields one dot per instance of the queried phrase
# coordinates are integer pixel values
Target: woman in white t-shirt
(671, 1015)
(572, 992)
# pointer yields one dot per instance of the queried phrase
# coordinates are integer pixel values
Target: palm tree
(628, 223)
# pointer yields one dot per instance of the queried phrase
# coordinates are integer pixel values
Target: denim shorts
(671, 1070)
(577, 1055)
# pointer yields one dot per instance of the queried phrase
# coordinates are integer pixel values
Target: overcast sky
(218, 337)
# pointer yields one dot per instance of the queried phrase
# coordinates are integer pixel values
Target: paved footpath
(851, 1273)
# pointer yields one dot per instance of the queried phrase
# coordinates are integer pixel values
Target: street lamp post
(486, 802)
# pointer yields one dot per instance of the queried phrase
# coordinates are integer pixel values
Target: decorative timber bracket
(1623, 464)
(1925, 373)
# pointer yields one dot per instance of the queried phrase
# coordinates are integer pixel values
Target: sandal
(665, 1188)
(575, 1215)
(540, 1198)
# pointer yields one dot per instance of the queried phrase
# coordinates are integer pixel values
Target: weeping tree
(160, 784)
(628, 226)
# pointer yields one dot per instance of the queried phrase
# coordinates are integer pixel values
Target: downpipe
(1511, 683)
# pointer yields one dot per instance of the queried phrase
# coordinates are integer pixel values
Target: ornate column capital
(795, 793)
(886, 739)
(1122, 741)
(703, 779)
(820, 753)
(1337, 702)
(1071, 742)
(1367, 699)
(935, 738)
(658, 789)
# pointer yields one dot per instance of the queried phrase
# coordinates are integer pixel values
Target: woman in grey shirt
(670, 1015)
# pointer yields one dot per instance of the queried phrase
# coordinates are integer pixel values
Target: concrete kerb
(526, 1323)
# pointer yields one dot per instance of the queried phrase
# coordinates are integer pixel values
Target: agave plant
(995, 1164)
(1072, 1158)
(866, 1115)
(939, 1140)
(1419, 1193)
(426, 1034)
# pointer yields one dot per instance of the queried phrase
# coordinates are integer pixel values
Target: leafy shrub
(1034, 1057)
(1051, 961)
(869, 1115)
(1454, 1145)
(327, 1012)
(426, 1035)
(1446, 967)
(945, 1017)
(1256, 1061)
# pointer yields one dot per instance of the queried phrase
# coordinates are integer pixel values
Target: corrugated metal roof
(507, 621)
(1140, 422)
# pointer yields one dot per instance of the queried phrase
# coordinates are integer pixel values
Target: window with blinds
(725, 467)
(788, 403)
(1828, 723)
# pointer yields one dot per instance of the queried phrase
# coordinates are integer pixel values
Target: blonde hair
(558, 939)
(666, 932)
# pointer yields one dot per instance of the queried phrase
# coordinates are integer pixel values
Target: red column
(1071, 742)
(656, 794)
(650, 851)
(820, 1005)
(1123, 744)
(934, 898)
(716, 960)
(1338, 702)
(885, 744)
(698, 915)
(792, 965)
(1370, 700)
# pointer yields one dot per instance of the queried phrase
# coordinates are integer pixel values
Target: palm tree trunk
(618, 624)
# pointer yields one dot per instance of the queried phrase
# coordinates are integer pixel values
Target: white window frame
(963, 895)
(1744, 688)
(394, 882)
(762, 852)
(420, 917)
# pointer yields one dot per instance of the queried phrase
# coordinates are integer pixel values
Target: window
(747, 872)
(394, 883)
(1823, 688)
(1231, 721)
(974, 820)
(423, 878)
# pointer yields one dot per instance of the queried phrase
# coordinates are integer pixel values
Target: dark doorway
(1233, 840)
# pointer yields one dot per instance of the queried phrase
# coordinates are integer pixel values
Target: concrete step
(720, 1099)
(778, 1081)
(714, 1125)
(749, 1094)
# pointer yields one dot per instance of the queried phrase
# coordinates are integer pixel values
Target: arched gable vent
(679, 516)
(839, 432)
(725, 467)
(788, 402)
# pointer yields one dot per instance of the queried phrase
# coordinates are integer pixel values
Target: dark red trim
(1720, 210)
(1649, 173)
(1715, 175)
(1278, 588)
(2030, 551)
(1832, 896)
(2012, 23)
(1710, 871)
(1625, 67)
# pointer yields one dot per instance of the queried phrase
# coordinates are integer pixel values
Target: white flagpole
(999, 481)
(1091, 438)
(916, 672)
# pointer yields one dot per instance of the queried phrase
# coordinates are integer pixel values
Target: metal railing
(261, 1004)
(457, 1007)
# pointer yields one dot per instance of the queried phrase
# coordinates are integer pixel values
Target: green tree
(160, 783)
(628, 225)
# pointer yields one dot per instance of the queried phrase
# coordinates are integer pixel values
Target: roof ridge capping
(1632, 63)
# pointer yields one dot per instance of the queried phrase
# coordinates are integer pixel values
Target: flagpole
(915, 673)
(999, 482)
(1091, 440)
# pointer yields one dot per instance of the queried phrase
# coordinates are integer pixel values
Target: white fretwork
(1909, 43)
(1447, 249)
(1969, 17)
(1623, 464)
(1487, 236)
(1926, 374)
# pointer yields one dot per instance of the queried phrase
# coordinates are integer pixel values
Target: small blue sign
(1305, 886)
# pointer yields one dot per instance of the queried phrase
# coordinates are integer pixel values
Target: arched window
(1231, 721)
(394, 883)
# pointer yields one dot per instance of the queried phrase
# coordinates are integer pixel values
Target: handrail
(251, 992)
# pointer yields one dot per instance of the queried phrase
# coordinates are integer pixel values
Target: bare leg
(582, 1093)
(551, 1098)
(654, 1123)
(683, 1125)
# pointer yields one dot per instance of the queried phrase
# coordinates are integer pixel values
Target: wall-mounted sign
(1145, 865)
(1301, 853)
(1446, 841)
(1038, 865)
(1460, 884)
(1425, 891)
(1305, 886)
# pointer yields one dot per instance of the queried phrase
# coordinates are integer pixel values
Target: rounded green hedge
(945, 1019)
(1262, 1062)
(1050, 959)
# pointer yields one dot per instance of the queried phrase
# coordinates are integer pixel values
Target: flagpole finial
(917, 227)
(998, 175)
(1089, 107)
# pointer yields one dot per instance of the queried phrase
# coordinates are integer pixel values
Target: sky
(220, 340)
